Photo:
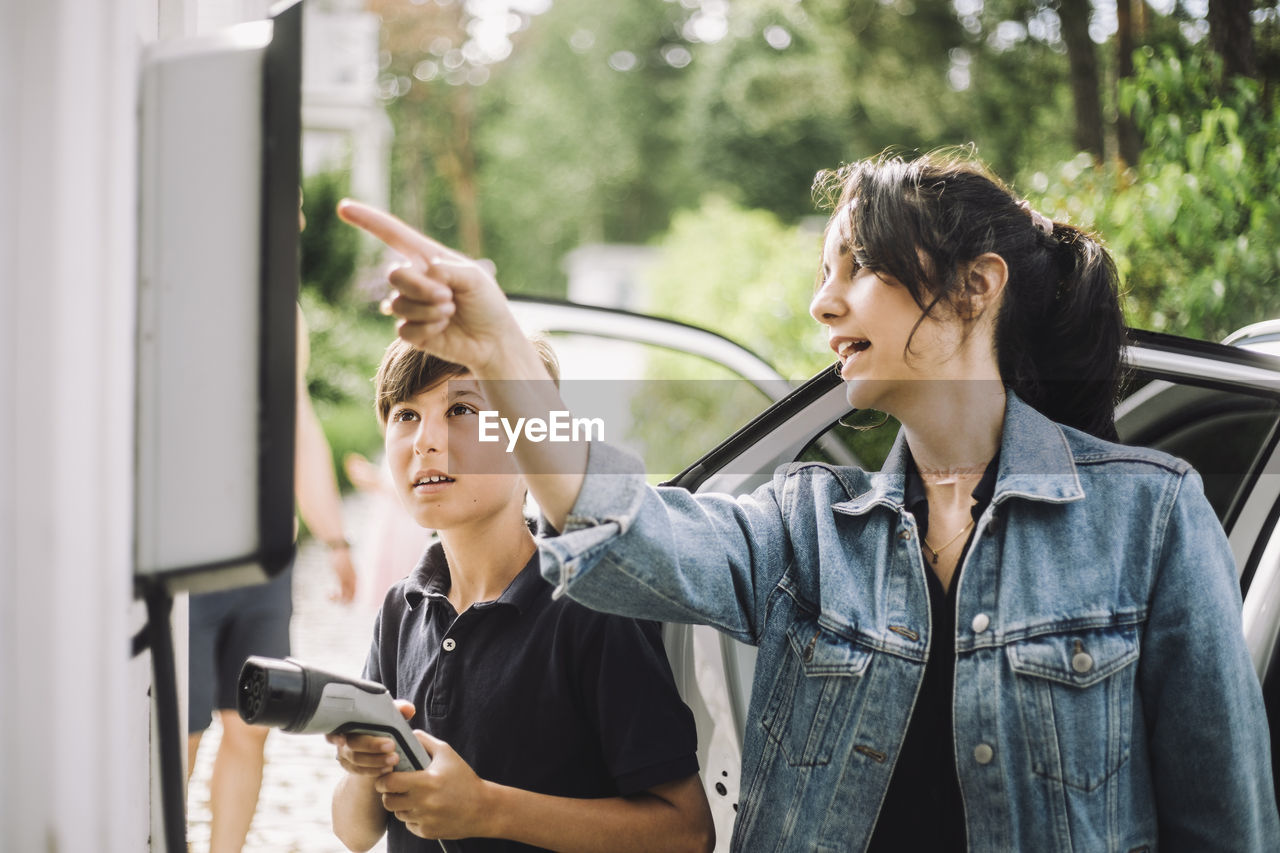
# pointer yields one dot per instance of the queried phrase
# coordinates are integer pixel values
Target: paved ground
(293, 809)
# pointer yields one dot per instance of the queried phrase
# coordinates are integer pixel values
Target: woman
(1016, 636)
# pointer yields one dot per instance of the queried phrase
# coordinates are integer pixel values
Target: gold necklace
(950, 542)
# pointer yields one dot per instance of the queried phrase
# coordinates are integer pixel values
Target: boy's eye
(460, 409)
(403, 415)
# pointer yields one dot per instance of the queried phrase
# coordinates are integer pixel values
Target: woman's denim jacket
(1104, 699)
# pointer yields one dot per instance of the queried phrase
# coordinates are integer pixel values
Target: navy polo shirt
(544, 695)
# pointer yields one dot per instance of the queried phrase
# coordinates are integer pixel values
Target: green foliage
(330, 249)
(346, 345)
(1195, 228)
(346, 337)
(610, 119)
(572, 150)
(577, 144)
(350, 428)
(755, 127)
(744, 274)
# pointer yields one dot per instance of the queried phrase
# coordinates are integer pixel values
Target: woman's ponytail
(1060, 334)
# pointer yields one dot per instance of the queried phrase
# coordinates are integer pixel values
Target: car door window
(663, 404)
(1224, 434)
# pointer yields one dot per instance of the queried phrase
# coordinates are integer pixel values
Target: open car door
(1215, 405)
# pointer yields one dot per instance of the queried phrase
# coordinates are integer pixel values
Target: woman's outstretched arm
(450, 306)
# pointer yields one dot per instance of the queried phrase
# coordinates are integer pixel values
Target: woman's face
(870, 318)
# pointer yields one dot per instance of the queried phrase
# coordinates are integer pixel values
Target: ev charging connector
(296, 697)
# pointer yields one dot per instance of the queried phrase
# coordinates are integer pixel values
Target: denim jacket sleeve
(1209, 743)
(662, 553)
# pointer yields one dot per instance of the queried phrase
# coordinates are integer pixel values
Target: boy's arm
(672, 816)
(319, 502)
(358, 817)
(315, 483)
(448, 800)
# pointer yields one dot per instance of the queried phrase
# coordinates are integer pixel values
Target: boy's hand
(447, 800)
(448, 304)
(369, 755)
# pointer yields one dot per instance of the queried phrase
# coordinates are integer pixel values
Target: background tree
(608, 121)
(1131, 20)
(581, 139)
(1085, 79)
(1231, 33)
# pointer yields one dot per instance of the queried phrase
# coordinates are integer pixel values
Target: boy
(549, 725)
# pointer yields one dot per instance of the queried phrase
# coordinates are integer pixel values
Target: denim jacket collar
(1035, 463)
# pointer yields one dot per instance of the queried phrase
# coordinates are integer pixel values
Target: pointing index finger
(392, 231)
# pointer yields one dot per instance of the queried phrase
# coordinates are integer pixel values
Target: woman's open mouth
(850, 349)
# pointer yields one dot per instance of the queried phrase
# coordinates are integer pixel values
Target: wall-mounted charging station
(220, 132)
(219, 146)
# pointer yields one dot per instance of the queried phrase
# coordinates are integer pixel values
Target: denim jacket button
(980, 623)
(905, 535)
(983, 753)
(1082, 662)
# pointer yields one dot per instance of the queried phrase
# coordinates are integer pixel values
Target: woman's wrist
(515, 359)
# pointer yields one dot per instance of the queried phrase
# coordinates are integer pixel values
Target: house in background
(344, 126)
(609, 274)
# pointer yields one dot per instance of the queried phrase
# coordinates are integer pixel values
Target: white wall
(73, 706)
(76, 759)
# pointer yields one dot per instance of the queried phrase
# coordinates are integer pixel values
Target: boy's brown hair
(406, 371)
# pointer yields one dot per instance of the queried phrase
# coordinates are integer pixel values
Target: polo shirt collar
(430, 580)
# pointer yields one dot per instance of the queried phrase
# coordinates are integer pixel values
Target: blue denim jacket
(1104, 699)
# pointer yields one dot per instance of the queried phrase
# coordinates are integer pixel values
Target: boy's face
(444, 476)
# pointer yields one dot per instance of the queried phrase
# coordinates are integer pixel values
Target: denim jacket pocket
(1075, 695)
(819, 672)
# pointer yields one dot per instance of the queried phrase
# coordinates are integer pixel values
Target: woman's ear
(984, 282)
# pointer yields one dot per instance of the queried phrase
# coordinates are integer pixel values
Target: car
(1217, 405)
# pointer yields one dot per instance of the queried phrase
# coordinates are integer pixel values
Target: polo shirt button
(449, 645)
(983, 753)
(980, 623)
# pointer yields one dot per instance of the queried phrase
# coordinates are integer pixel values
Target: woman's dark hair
(1059, 333)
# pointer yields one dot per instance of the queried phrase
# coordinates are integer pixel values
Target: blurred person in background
(230, 625)
(392, 541)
